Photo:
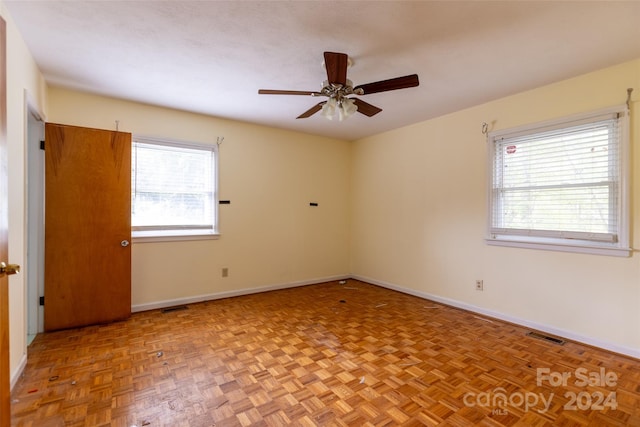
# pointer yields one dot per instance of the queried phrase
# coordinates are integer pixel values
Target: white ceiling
(211, 57)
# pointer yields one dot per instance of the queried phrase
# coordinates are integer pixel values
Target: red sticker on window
(511, 149)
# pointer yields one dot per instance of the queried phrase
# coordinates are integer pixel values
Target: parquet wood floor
(320, 355)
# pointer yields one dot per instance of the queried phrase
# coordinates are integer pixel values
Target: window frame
(141, 234)
(567, 243)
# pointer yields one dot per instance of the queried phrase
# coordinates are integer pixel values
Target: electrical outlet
(225, 272)
(479, 285)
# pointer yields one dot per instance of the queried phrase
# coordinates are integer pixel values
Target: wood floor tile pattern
(320, 355)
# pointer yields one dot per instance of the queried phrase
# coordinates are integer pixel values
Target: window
(173, 190)
(562, 185)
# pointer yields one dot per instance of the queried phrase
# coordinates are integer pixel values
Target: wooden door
(5, 369)
(87, 226)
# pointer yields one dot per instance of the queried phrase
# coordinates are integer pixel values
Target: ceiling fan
(338, 89)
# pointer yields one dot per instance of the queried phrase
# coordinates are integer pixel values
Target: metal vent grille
(176, 308)
(546, 338)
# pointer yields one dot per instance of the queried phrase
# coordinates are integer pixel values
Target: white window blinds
(560, 181)
(173, 186)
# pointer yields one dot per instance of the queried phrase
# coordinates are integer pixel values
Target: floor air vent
(176, 308)
(546, 338)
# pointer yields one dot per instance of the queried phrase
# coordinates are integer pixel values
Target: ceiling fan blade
(391, 84)
(366, 108)
(311, 111)
(336, 65)
(287, 92)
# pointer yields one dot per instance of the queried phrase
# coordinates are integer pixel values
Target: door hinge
(41, 300)
(42, 145)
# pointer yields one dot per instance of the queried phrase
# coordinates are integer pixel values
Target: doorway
(35, 221)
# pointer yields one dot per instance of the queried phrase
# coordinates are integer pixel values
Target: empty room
(319, 213)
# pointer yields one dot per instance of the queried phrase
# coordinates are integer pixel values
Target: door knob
(124, 243)
(8, 269)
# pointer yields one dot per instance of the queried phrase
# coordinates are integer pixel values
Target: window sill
(561, 246)
(172, 236)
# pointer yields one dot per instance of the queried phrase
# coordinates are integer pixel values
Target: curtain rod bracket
(485, 128)
(629, 90)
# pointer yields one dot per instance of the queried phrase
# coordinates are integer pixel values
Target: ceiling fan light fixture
(329, 108)
(346, 109)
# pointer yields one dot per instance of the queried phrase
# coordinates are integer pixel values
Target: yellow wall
(270, 236)
(24, 80)
(419, 216)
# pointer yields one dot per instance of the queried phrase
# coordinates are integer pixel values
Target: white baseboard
(15, 376)
(563, 333)
(228, 294)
